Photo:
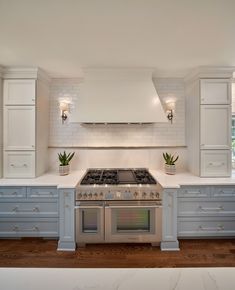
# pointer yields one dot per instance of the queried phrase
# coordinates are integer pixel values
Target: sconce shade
(170, 106)
(64, 106)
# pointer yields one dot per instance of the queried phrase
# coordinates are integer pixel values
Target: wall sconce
(64, 108)
(170, 106)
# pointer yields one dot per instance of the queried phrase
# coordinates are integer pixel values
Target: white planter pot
(170, 169)
(64, 170)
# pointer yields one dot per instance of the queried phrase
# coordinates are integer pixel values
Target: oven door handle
(88, 206)
(133, 206)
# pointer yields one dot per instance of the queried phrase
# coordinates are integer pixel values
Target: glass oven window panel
(133, 220)
(89, 221)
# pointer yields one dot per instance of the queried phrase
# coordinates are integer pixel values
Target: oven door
(133, 222)
(89, 222)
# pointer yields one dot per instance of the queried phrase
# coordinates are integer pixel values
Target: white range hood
(117, 96)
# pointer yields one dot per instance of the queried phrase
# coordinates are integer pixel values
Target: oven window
(132, 220)
(89, 221)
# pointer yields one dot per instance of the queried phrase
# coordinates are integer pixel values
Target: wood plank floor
(42, 253)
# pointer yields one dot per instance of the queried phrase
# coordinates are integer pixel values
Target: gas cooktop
(117, 176)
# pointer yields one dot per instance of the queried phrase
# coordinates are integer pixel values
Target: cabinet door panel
(215, 163)
(19, 129)
(215, 127)
(19, 92)
(215, 91)
(19, 164)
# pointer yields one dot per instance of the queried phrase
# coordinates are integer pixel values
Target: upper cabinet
(25, 126)
(208, 116)
(19, 92)
(19, 124)
(215, 91)
(215, 127)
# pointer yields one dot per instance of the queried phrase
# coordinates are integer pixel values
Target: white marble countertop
(186, 178)
(72, 180)
(121, 279)
(47, 179)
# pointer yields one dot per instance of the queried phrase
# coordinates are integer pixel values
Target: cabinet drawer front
(196, 191)
(12, 192)
(189, 227)
(186, 207)
(215, 163)
(215, 91)
(29, 228)
(42, 192)
(225, 191)
(19, 92)
(19, 164)
(29, 209)
(19, 128)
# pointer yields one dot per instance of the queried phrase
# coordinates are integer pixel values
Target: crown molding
(210, 72)
(25, 73)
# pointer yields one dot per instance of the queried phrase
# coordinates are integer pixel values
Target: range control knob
(135, 194)
(95, 195)
(90, 195)
(152, 194)
(79, 196)
(101, 194)
(144, 194)
(157, 194)
(85, 195)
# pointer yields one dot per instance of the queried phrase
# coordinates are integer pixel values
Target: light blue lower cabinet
(209, 212)
(169, 222)
(67, 220)
(29, 212)
(25, 227)
(206, 227)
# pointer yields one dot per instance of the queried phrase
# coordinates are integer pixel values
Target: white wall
(160, 134)
(1, 125)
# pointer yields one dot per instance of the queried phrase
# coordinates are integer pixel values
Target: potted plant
(64, 162)
(170, 163)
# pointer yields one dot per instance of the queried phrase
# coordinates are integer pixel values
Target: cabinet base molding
(170, 246)
(66, 246)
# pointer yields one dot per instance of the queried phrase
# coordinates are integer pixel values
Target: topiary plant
(170, 159)
(65, 158)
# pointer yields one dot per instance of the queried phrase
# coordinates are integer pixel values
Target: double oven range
(118, 206)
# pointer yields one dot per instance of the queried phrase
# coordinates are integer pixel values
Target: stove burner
(117, 176)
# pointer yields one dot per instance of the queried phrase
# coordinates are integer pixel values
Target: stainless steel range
(118, 205)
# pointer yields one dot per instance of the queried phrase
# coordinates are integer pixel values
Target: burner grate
(117, 176)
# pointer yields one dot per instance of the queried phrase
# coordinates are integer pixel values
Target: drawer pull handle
(218, 228)
(217, 164)
(16, 209)
(44, 193)
(210, 208)
(19, 166)
(34, 229)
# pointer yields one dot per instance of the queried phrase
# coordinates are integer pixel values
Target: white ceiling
(62, 36)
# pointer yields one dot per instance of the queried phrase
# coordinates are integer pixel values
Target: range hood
(117, 96)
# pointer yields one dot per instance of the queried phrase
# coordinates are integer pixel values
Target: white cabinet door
(19, 92)
(215, 127)
(215, 91)
(216, 163)
(19, 128)
(19, 164)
